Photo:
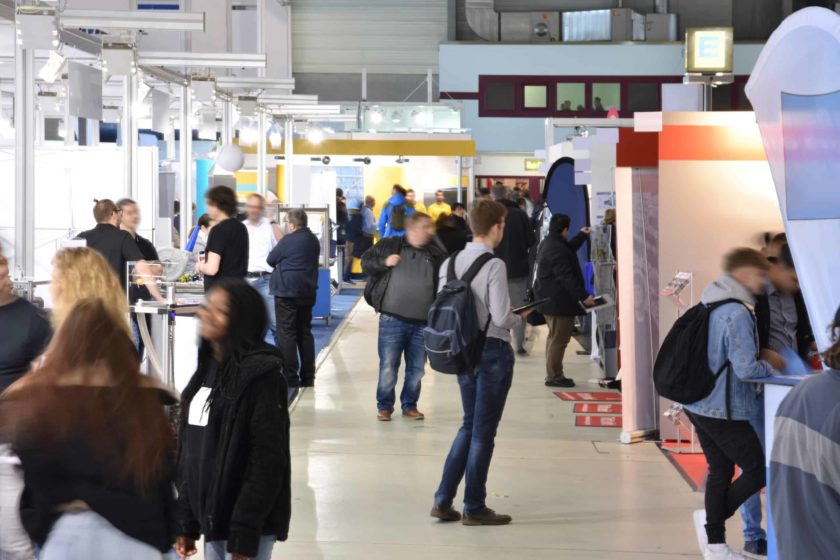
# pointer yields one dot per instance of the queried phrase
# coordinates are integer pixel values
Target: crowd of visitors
(87, 434)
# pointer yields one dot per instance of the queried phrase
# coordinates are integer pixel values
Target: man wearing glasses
(263, 235)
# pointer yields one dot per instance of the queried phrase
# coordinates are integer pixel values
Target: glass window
(499, 96)
(536, 97)
(606, 97)
(643, 97)
(571, 97)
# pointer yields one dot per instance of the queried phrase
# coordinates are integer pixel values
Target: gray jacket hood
(725, 288)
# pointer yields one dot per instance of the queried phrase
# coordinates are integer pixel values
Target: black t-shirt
(149, 254)
(229, 240)
(25, 336)
(201, 441)
(117, 246)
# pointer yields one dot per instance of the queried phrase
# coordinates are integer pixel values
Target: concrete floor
(363, 489)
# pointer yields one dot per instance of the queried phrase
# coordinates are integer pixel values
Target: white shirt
(260, 243)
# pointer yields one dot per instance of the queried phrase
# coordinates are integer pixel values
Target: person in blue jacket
(394, 213)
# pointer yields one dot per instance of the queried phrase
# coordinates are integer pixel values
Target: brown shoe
(485, 517)
(414, 414)
(446, 514)
(384, 416)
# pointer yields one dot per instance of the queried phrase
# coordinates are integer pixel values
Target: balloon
(230, 158)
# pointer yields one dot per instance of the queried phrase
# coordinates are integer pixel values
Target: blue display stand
(323, 298)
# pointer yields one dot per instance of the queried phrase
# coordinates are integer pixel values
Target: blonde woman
(82, 273)
(78, 274)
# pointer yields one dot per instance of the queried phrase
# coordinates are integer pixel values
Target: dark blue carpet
(341, 306)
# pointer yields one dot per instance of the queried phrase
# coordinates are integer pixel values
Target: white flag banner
(795, 92)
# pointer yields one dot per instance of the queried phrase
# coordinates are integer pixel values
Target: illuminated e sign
(708, 50)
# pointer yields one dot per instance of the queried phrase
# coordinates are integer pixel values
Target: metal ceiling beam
(202, 60)
(133, 20)
(235, 82)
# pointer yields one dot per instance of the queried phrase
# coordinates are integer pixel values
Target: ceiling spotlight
(401, 160)
(275, 136)
(325, 160)
(365, 160)
(315, 135)
(420, 117)
(248, 132)
(119, 58)
(396, 117)
(51, 69)
(376, 115)
(36, 27)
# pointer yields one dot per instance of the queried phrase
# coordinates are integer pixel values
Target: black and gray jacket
(373, 264)
(251, 494)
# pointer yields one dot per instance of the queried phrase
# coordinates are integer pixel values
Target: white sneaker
(700, 528)
(721, 552)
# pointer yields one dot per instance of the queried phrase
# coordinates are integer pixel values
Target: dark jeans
(294, 336)
(483, 395)
(727, 443)
(398, 338)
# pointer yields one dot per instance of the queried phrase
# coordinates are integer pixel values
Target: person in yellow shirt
(411, 200)
(439, 208)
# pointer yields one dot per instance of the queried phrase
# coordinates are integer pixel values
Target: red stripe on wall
(710, 143)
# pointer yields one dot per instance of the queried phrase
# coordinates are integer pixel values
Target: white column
(227, 122)
(289, 151)
(430, 86)
(261, 148)
(25, 161)
(460, 163)
(187, 192)
(129, 131)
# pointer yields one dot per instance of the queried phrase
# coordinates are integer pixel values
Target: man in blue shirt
(393, 215)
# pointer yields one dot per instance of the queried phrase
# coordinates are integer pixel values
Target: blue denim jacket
(732, 336)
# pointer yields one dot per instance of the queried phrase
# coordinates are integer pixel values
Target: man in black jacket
(560, 278)
(294, 284)
(402, 286)
(518, 239)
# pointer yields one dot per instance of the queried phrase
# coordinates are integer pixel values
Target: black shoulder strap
(476, 267)
(450, 271)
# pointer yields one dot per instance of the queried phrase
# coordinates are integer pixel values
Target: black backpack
(681, 372)
(454, 339)
(398, 217)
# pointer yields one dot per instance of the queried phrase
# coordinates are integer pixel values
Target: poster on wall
(601, 202)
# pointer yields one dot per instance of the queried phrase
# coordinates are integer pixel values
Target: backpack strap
(450, 270)
(476, 267)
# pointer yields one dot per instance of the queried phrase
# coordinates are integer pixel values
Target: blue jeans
(396, 338)
(261, 285)
(751, 510)
(216, 550)
(88, 536)
(483, 395)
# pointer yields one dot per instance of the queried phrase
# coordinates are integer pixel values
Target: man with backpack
(484, 389)
(403, 280)
(393, 216)
(716, 373)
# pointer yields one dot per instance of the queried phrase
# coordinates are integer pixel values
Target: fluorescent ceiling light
(327, 118)
(202, 60)
(233, 82)
(310, 109)
(52, 67)
(289, 99)
(132, 20)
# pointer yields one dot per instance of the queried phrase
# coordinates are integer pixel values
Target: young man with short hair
(411, 200)
(723, 419)
(294, 285)
(394, 213)
(440, 207)
(402, 287)
(228, 245)
(483, 391)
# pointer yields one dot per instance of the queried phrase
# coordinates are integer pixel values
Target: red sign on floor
(597, 408)
(588, 397)
(598, 421)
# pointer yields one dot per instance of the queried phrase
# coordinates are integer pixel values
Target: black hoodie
(249, 494)
(518, 238)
